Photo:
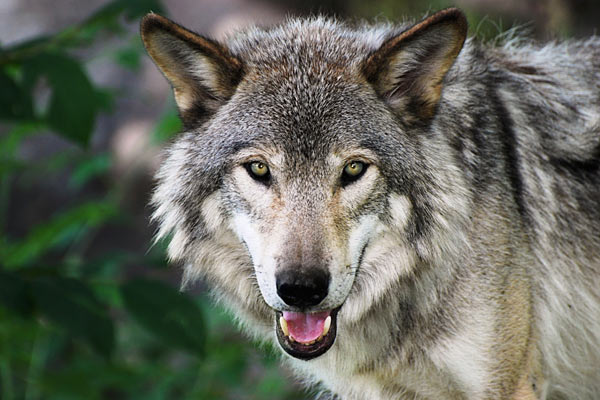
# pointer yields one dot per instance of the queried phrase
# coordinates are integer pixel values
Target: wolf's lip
(309, 343)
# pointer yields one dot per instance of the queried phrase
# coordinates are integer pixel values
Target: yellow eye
(258, 170)
(354, 168)
(353, 171)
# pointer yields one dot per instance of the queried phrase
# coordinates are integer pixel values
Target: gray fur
(496, 268)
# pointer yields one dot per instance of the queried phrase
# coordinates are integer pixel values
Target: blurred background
(89, 308)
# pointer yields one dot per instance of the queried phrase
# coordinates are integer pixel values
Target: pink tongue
(305, 327)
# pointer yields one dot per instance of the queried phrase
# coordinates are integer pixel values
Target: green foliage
(167, 126)
(170, 315)
(76, 320)
(72, 305)
(14, 294)
(56, 231)
(90, 168)
(15, 102)
(74, 102)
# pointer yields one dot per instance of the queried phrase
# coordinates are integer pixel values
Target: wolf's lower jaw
(306, 346)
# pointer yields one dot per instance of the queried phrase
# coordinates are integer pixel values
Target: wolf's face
(306, 224)
(301, 170)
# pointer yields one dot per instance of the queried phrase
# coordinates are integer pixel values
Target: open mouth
(306, 335)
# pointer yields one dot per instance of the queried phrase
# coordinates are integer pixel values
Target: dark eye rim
(265, 179)
(347, 179)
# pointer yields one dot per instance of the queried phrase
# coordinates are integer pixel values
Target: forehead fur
(302, 43)
(302, 86)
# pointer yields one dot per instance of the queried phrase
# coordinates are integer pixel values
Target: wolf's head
(307, 180)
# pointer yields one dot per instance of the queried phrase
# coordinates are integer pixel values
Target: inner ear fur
(408, 70)
(201, 71)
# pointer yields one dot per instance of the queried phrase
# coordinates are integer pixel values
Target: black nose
(302, 287)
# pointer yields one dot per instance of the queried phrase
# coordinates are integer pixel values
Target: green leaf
(90, 379)
(107, 18)
(15, 101)
(74, 102)
(14, 293)
(171, 316)
(130, 56)
(167, 126)
(10, 141)
(72, 305)
(105, 99)
(132, 9)
(24, 47)
(87, 170)
(51, 233)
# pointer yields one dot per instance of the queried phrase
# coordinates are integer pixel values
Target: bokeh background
(89, 308)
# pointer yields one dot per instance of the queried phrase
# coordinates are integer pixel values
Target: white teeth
(284, 327)
(326, 326)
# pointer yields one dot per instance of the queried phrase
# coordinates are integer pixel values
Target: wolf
(407, 213)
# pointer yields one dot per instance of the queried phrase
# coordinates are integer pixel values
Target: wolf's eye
(353, 171)
(258, 170)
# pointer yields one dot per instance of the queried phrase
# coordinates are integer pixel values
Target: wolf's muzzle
(302, 287)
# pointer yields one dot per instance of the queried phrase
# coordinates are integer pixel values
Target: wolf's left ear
(408, 69)
(202, 72)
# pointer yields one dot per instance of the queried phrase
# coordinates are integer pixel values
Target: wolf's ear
(202, 72)
(409, 68)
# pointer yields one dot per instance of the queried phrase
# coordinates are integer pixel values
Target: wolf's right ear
(408, 70)
(202, 72)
